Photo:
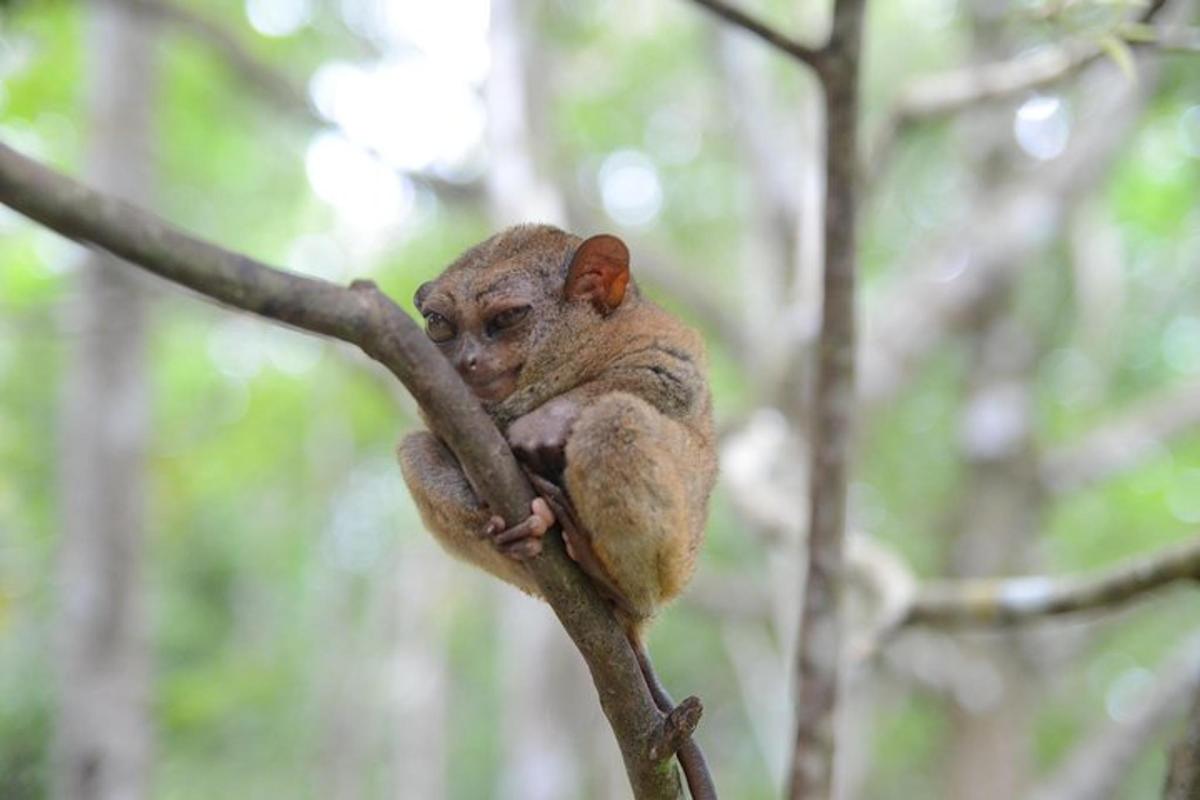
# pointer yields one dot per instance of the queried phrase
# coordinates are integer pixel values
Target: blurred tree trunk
(998, 519)
(540, 692)
(415, 672)
(997, 516)
(104, 735)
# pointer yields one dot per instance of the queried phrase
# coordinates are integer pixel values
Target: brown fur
(640, 458)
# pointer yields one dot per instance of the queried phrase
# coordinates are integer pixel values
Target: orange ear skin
(599, 273)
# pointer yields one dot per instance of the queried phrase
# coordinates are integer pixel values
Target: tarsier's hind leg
(625, 474)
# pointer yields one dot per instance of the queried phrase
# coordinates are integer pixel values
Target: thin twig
(1097, 765)
(813, 57)
(1125, 442)
(988, 250)
(956, 90)
(277, 88)
(366, 317)
(994, 602)
(1175, 39)
(252, 71)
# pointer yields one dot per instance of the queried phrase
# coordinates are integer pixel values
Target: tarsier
(602, 396)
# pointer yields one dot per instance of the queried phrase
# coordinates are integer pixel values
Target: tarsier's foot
(578, 539)
(523, 540)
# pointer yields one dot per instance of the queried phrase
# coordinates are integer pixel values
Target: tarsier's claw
(494, 526)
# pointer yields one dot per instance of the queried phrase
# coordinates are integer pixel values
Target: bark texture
(819, 647)
(1183, 774)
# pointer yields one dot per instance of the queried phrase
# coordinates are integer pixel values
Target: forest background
(1029, 389)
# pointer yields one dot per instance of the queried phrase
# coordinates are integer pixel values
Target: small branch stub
(675, 729)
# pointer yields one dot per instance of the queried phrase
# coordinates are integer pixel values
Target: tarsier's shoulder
(663, 332)
(662, 359)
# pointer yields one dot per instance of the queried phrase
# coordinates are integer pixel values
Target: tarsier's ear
(599, 272)
(422, 293)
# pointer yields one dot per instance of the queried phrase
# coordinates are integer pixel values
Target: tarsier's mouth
(493, 386)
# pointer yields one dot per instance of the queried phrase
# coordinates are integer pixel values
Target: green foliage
(276, 516)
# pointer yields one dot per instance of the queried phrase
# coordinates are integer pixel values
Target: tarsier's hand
(539, 438)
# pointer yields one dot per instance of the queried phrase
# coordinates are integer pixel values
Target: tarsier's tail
(691, 758)
(578, 541)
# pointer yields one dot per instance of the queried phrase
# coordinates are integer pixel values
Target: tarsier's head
(493, 307)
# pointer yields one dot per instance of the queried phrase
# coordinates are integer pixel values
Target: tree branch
(276, 87)
(1123, 443)
(364, 316)
(813, 57)
(997, 602)
(956, 90)
(1175, 39)
(269, 82)
(1095, 768)
(818, 651)
(994, 243)
(1183, 775)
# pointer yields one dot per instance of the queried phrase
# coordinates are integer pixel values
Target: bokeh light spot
(630, 188)
(278, 17)
(1042, 127)
(361, 189)
(1181, 345)
(1183, 498)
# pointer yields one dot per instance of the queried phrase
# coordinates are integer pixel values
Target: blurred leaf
(1119, 51)
(1139, 33)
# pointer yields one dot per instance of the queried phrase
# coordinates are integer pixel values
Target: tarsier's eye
(509, 317)
(438, 327)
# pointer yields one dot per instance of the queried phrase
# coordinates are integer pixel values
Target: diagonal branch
(1100, 762)
(269, 82)
(1174, 39)
(1125, 442)
(812, 56)
(999, 240)
(960, 89)
(364, 316)
(275, 86)
(996, 602)
(956, 90)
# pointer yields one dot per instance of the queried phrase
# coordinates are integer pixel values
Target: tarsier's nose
(468, 356)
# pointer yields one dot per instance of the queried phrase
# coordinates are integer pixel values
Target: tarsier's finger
(562, 513)
(533, 527)
(541, 509)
